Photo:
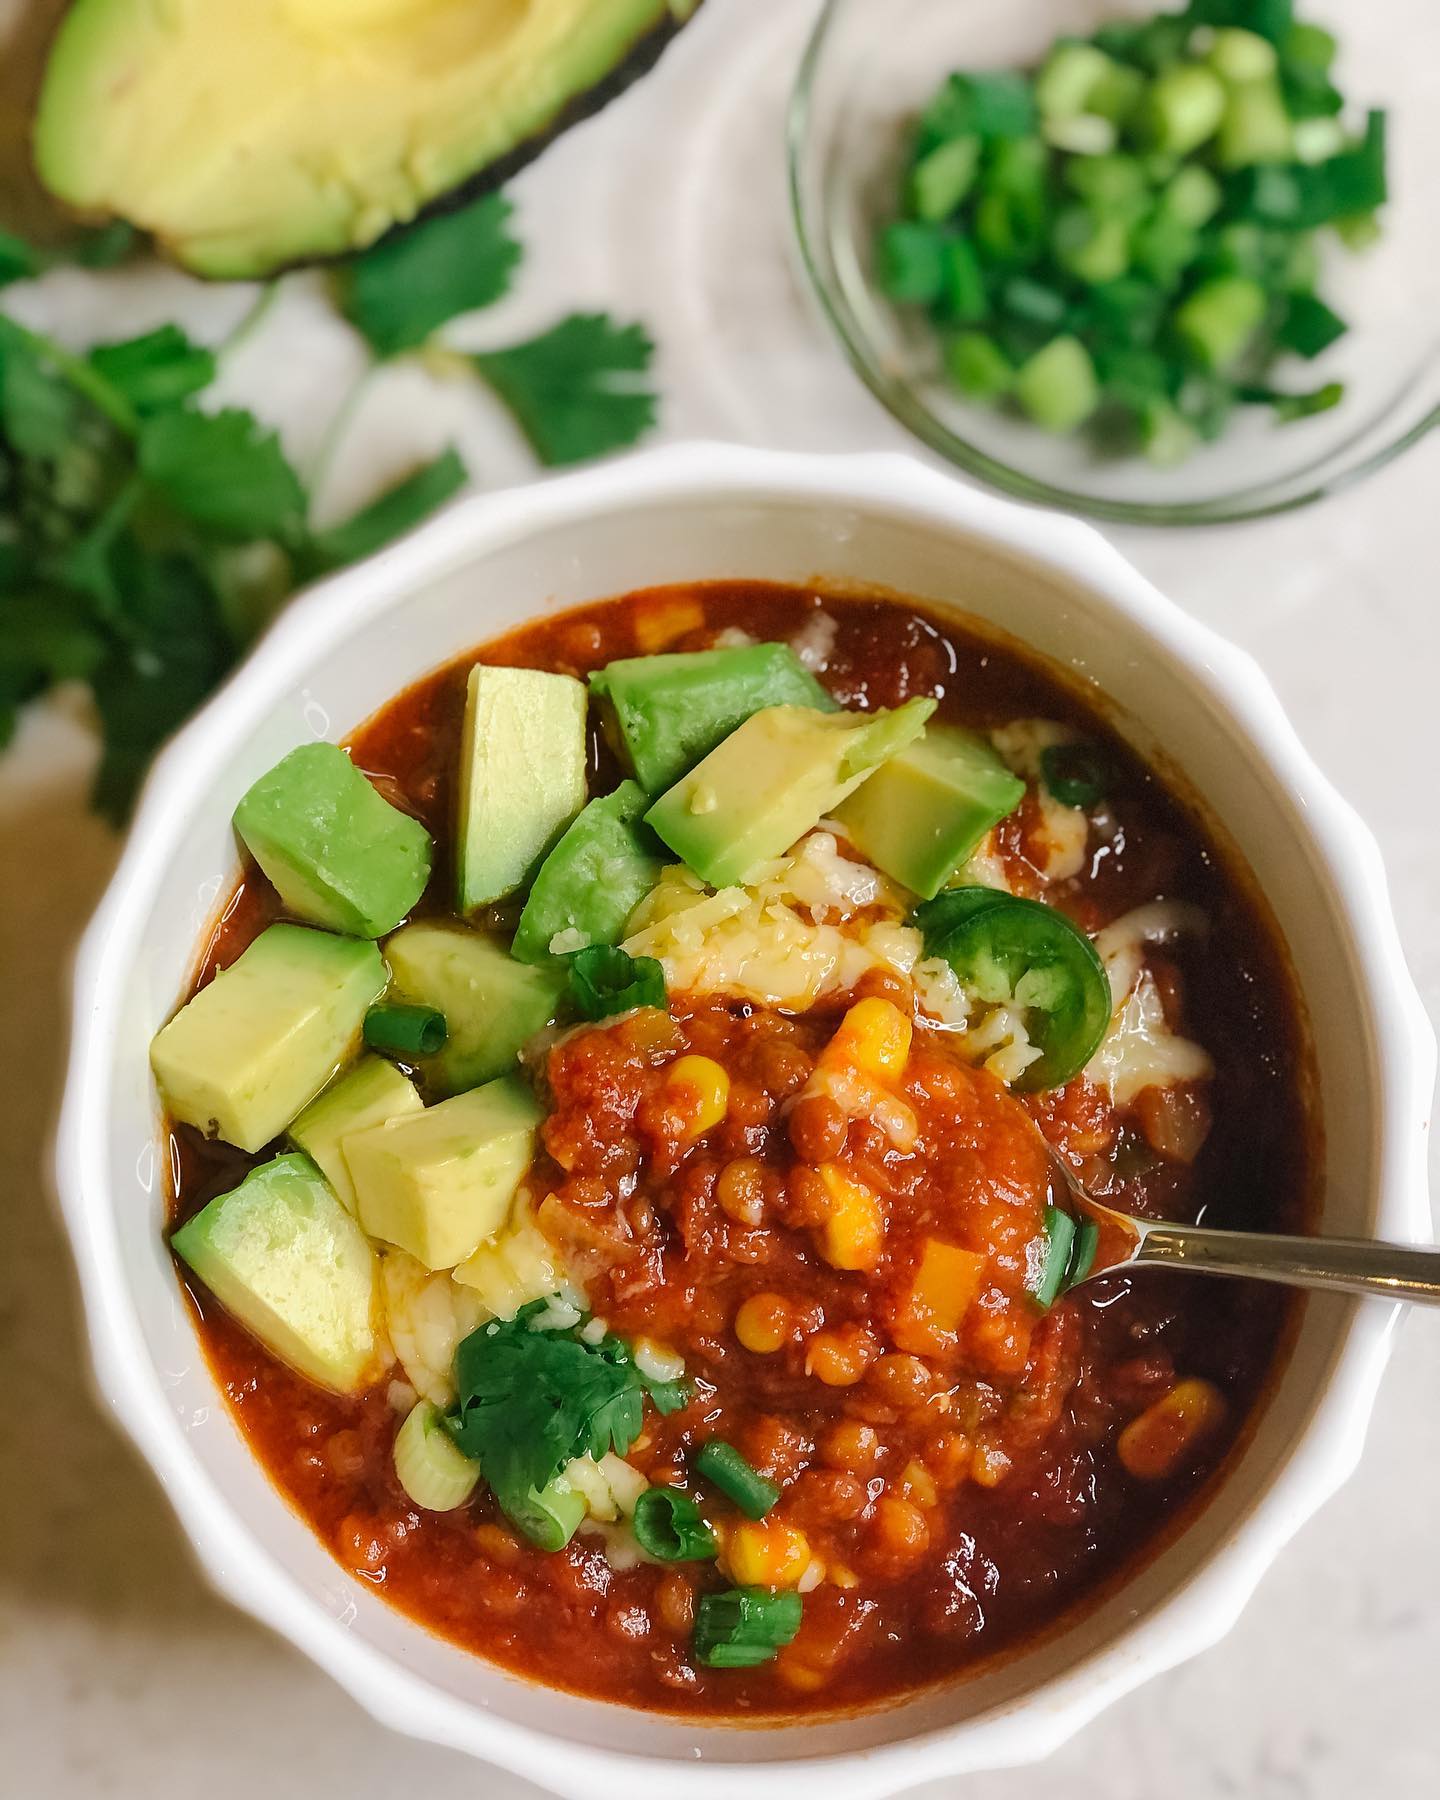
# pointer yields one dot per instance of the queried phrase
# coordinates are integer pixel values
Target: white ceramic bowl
(489, 563)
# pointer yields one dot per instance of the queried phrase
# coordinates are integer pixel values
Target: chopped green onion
(1290, 407)
(1309, 326)
(910, 259)
(550, 1516)
(942, 179)
(965, 298)
(669, 1524)
(978, 366)
(604, 980)
(1046, 1283)
(405, 1031)
(1241, 56)
(1082, 1260)
(1219, 319)
(1256, 127)
(744, 1627)
(1092, 246)
(1183, 107)
(1076, 774)
(432, 1471)
(1057, 386)
(724, 1466)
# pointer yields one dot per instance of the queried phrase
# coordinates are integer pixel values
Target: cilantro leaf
(176, 651)
(39, 411)
(386, 518)
(160, 369)
(18, 261)
(577, 390)
(416, 280)
(224, 471)
(530, 1401)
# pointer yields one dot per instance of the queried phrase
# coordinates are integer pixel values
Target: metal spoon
(1341, 1265)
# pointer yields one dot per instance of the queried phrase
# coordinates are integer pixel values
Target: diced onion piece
(428, 1466)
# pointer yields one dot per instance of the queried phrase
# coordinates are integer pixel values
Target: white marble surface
(120, 1674)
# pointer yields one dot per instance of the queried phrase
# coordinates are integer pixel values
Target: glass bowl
(869, 68)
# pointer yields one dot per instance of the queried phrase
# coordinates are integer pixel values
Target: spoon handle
(1343, 1265)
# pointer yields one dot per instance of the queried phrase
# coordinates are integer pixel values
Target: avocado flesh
(771, 781)
(668, 711)
(439, 1182)
(922, 813)
(491, 1003)
(591, 882)
(250, 137)
(522, 777)
(255, 1046)
(282, 1255)
(335, 850)
(371, 1093)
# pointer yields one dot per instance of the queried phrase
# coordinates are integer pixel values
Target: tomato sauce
(957, 1482)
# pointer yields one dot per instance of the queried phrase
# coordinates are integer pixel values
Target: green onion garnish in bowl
(1170, 267)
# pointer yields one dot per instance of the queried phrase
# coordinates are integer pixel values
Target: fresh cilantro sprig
(531, 1400)
(577, 390)
(412, 282)
(145, 539)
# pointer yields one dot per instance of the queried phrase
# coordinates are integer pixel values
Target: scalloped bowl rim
(1203, 1608)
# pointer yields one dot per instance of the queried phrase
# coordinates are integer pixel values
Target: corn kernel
(900, 1528)
(989, 1465)
(765, 1553)
(1154, 1443)
(762, 1323)
(853, 1234)
(839, 1358)
(842, 1577)
(803, 1676)
(702, 1089)
(875, 1036)
(918, 1484)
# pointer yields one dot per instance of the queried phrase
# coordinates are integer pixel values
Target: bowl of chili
(920, 590)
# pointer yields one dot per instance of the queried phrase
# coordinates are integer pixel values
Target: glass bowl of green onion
(1161, 267)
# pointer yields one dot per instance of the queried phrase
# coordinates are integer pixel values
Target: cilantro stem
(328, 448)
(250, 321)
(82, 375)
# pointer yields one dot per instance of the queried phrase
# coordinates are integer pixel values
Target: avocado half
(249, 137)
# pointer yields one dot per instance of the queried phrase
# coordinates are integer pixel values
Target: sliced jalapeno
(951, 907)
(1023, 954)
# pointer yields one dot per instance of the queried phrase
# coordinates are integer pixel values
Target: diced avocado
(491, 1003)
(321, 123)
(337, 852)
(920, 815)
(257, 1044)
(771, 780)
(372, 1092)
(282, 1255)
(438, 1182)
(591, 882)
(669, 711)
(522, 777)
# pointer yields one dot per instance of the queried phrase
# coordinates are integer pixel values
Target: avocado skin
(638, 62)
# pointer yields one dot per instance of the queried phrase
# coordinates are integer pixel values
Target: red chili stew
(955, 1477)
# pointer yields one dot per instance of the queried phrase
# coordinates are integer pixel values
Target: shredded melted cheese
(1140, 1050)
(811, 924)
(1060, 839)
